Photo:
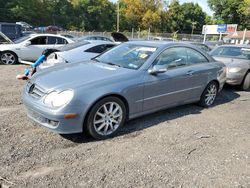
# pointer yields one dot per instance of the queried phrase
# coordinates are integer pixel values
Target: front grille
(34, 90)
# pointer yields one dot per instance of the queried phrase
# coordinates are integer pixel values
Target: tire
(246, 82)
(104, 123)
(209, 95)
(8, 58)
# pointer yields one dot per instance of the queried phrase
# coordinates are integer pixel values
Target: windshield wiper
(113, 64)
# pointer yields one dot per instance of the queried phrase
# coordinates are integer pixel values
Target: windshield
(72, 46)
(131, 56)
(234, 52)
(21, 39)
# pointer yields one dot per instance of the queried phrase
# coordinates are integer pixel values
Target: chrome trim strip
(169, 94)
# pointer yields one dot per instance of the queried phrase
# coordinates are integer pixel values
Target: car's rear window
(72, 46)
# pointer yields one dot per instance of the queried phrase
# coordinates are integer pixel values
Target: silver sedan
(237, 60)
(128, 81)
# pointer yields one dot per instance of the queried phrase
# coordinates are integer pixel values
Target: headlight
(234, 69)
(55, 99)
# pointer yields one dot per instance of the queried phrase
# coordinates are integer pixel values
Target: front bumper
(234, 78)
(52, 119)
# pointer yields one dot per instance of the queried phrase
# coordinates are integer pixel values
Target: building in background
(239, 37)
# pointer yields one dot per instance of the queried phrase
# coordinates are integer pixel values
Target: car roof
(158, 44)
(46, 34)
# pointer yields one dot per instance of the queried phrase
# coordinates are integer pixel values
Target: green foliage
(193, 17)
(232, 11)
(76, 14)
(100, 15)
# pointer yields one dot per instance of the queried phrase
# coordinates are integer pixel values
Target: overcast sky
(202, 3)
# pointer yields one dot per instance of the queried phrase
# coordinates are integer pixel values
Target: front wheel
(8, 58)
(106, 117)
(246, 82)
(209, 95)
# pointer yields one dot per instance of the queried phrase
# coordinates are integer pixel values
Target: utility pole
(205, 34)
(193, 26)
(118, 16)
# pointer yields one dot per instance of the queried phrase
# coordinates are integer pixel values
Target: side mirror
(157, 69)
(27, 43)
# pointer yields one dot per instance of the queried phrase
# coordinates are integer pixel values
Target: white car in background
(27, 49)
(77, 52)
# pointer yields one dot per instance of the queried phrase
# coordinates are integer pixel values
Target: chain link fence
(139, 35)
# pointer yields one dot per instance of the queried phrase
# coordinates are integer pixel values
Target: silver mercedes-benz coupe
(128, 81)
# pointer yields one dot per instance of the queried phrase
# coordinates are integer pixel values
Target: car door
(173, 87)
(201, 68)
(32, 51)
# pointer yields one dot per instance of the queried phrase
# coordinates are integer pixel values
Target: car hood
(6, 46)
(70, 76)
(71, 56)
(233, 62)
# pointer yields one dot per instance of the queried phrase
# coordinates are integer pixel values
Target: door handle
(190, 73)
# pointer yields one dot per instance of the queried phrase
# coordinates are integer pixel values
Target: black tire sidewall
(244, 82)
(202, 99)
(90, 118)
(10, 52)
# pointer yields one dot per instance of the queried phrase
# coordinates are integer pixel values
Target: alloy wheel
(210, 94)
(108, 118)
(8, 58)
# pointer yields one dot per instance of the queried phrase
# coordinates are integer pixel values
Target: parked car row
(28, 48)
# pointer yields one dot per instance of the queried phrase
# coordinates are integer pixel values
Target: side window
(172, 58)
(39, 41)
(52, 40)
(56, 40)
(97, 49)
(61, 41)
(194, 57)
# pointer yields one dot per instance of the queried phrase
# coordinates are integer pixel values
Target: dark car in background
(11, 30)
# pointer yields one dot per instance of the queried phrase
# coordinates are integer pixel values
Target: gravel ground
(187, 146)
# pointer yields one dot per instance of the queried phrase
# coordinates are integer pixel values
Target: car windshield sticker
(143, 56)
(146, 49)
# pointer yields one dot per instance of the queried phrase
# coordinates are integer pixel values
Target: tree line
(101, 15)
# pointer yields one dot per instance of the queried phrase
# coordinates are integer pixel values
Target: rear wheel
(246, 82)
(209, 95)
(8, 58)
(106, 117)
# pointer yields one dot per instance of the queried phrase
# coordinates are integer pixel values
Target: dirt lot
(186, 146)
